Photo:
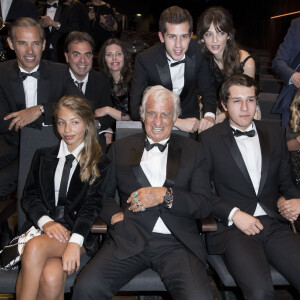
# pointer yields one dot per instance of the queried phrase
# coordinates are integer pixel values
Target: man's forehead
(181, 28)
(81, 47)
(165, 103)
(235, 91)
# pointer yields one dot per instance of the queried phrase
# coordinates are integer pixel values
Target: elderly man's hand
(146, 197)
(23, 117)
(189, 124)
(206, 123)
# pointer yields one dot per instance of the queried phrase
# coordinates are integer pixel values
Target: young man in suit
(287, 65)
(28, 87)
(178, 65)
(79, 49)
(249, 168)
(162, 195)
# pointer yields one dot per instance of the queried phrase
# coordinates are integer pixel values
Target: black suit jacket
(54, 82)
(21, 8)
(130, 236)
(83, 203)
(98, 93)
(232, 181)
(151, 68)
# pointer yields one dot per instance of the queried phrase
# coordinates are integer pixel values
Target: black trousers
(248, 258)
(182, 272)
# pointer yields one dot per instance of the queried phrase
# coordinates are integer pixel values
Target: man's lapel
(265, 155)
(163, 68)
(43, 84)
(135, 161)
(57, 13)
(234, 150)
(189, 73)
(173, 162)
(17, 86)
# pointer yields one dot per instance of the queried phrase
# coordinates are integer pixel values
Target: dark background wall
(252, 20)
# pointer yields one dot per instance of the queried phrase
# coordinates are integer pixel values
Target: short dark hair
(25, 22)
(240, 80)
(175, 15)
(78, 37)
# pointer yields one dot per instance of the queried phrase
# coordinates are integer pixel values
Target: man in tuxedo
(287, 65)
(58, 20)
(177, 64)
(28, 87)
(79, 49)
(248, 165)
(162, 195)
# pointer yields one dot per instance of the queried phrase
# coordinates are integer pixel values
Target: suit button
(75, 212)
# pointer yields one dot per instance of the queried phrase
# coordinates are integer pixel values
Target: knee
(52, 282)
(31, 251)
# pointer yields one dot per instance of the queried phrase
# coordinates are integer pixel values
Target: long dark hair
(222, 21)
(126, 71)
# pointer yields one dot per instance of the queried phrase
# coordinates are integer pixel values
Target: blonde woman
(62, 197)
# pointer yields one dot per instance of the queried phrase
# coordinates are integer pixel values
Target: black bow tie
(24, 75)
(238, 133)
(52, 5)
(161, 147)
(178, 62)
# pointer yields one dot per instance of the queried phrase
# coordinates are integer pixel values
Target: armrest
(99, 226)
(208, 224)
(8, 207)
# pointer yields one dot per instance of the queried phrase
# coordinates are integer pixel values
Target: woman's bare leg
(52, 282)
(34, 258)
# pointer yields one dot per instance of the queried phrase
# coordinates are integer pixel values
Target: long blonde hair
(295, 119)
(91, 152)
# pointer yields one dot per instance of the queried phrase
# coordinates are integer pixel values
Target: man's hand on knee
(247, 223)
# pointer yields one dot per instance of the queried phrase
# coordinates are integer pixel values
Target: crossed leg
(41, 270)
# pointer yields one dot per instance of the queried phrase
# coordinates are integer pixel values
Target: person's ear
(161, 37)
(224, 105)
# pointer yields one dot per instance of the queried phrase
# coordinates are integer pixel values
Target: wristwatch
(58, 26)
(168, 198)
(99, 125)
(42, 110)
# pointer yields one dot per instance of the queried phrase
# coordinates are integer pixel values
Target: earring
(228, 38)
(202, 40)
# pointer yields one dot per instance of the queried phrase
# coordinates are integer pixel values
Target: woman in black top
(216, 36)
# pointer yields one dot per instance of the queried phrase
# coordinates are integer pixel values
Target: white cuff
(210, 114)
(43, 220)
(230, 222)
(76, 238)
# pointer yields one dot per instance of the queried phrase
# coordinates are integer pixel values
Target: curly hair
(222, 21)
(91, 152)
(295, 106)
(126, 71)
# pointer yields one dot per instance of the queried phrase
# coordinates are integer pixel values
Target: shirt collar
(85, 80)
(63, 150)
(161, 142)
(34, 70)
(171, 60)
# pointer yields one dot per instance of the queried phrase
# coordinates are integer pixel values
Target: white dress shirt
(154, 165)
(85, 80)
(62, 153)
(5, 7)
(30, 88)
(251, 153)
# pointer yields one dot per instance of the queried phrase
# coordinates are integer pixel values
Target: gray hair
(160, 93)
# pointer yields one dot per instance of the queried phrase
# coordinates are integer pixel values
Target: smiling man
(177, 64)
(28, 86)
(79, 49)
(162, 195)
(249, 167)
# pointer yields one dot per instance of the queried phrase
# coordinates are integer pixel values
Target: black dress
(219, 76)
(294, 156)
(120, 98)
